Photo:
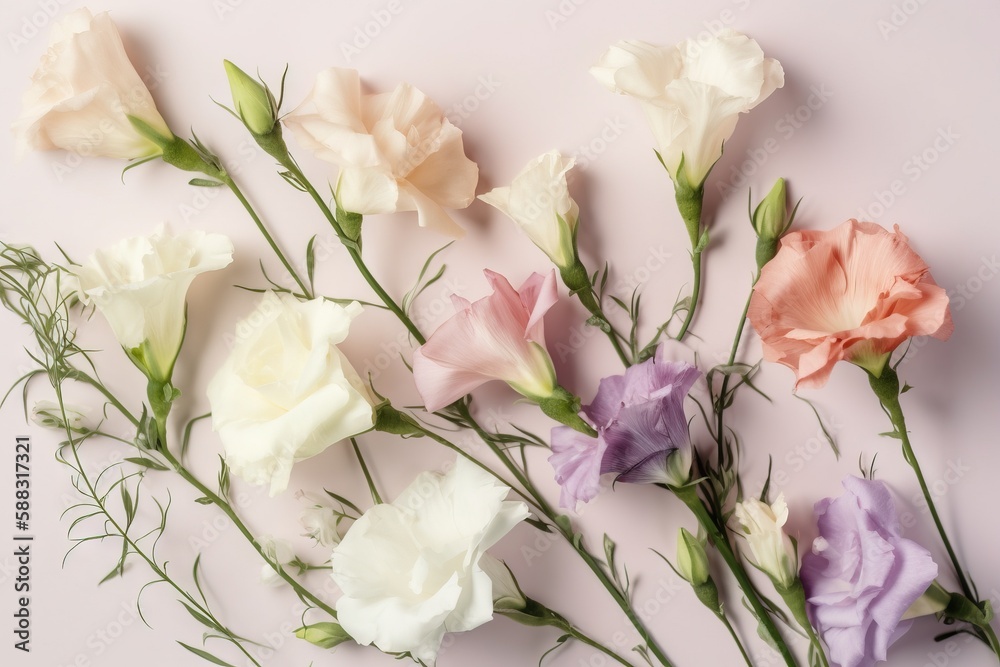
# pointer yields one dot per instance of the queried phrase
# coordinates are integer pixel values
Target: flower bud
(48, 414)
(772, 550)
(692, 561)
(253, 102)
(770, 222)
(507, 595)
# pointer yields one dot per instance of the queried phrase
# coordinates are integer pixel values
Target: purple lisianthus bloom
(862, 575)
(642, 432)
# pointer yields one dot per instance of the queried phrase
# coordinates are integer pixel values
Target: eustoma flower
(642, 432)
(396, 151)
(538, 202)
(416, 568)
(140, 286)
(853, 293)
(692, 93)
(286, 392)
(499, 337)
(763, 527)
(84, 92)
(863, 576)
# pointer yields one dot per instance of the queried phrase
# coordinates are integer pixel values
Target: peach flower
(853, 293)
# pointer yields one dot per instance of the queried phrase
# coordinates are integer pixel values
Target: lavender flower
(642, 432)
(862, 575)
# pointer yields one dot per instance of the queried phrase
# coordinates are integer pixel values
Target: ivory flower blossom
(84, 91)
(692, 93)
(396, 151)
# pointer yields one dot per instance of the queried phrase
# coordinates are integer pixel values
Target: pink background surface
(514, 76)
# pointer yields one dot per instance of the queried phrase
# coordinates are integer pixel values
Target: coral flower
(853, 293)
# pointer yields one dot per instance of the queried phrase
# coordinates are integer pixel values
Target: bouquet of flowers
(412, 567)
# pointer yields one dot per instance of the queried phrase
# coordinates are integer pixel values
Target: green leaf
(324, 635)
(205, 655)
(311, 259)
(147, 463)
(201, 618)
(204, 183)
(204, 500)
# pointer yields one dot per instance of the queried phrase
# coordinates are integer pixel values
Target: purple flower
(640, 422)
(862, 575)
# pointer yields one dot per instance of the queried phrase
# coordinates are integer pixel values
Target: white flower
(692, 93)
(322, 519)
(278, 551)
(773, 551)
(140, 286)
(48, 414)
(411, 570)
(286, 393)
(83, 92)
(538, 201)
(396, 151)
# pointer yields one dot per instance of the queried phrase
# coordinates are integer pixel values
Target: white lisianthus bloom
(278, 551)
(140, 285)
(286, 393)
(692, 93)
(772, 550)
(396, 151)
(322, 519)
(83, 92)
(48, 414)
(412, 570)
(538, 201)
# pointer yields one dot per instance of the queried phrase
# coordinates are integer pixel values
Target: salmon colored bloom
(853, 293)
(499, 337)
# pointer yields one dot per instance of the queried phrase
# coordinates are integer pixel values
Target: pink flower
(499, 337)
(853, 293)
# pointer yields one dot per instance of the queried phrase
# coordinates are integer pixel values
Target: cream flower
(772, 550)
(538, 201)
(692, 93)
(83, 92)
(286, 393)
(396, 151)
(412, 570)
(140, 286)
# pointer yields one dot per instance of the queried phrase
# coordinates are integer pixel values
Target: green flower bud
(253, 102)
(769, 220)
(692, 561)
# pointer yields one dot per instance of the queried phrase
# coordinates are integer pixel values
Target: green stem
(566, 531)
(152, 564)
(887, 389)
(795, 599)
(689, 497)
(736, 638)
(690, 202)
(535, 614)
(228, 510)
(231, 184)
(368, 476)
(577, 279)
(353, 249)
(720, 427)
(695, 294)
